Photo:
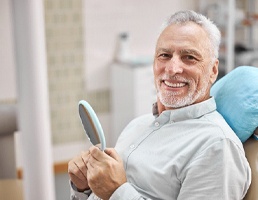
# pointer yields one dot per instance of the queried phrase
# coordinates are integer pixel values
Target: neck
(161, 107)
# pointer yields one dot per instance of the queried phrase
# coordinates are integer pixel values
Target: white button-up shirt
(187, 153)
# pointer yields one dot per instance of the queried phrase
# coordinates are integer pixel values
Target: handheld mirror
(91, 124)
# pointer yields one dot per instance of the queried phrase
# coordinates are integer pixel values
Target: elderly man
(186, 150)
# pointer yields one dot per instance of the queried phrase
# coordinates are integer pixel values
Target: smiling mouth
(174, 85)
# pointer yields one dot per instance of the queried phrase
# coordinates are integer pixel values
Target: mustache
(174, 78)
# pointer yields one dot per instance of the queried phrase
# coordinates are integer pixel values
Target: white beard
(173, 100)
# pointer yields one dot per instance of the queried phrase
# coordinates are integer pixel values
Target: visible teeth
(176, 85)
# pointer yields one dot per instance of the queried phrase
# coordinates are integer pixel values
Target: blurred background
(102, 51)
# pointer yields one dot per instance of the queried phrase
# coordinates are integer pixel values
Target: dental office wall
(81, 38)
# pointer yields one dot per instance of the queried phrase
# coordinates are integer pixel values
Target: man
(186, 150)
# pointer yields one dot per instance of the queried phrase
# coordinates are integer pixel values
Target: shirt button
(132, 146)
(157, 124)
(171, 122)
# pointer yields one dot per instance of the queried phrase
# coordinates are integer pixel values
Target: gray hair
(211, 29)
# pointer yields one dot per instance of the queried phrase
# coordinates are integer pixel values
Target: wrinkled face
(184, 69)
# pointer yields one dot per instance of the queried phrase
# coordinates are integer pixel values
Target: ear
(214, 71)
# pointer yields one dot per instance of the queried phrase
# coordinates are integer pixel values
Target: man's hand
(77, 170)
(105, 172)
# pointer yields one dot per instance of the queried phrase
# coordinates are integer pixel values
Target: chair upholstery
(236, 96)
(251, 150)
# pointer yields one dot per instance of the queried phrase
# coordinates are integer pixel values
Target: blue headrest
(236, 96)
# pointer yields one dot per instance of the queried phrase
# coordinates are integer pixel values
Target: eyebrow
(163, 50)
(183, 51)
(190, 51)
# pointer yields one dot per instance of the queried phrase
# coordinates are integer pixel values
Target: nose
(174, 66)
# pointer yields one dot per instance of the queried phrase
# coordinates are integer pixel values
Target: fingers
(96, 153)
(112, 153)
(79, 184)
(105, 172)
(96, 159)
(99, 155)
(85, 157)
(77, 169)
(99, 159)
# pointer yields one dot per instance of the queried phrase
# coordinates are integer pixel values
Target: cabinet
(132, 94)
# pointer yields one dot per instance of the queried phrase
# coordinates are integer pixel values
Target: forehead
(189, 35)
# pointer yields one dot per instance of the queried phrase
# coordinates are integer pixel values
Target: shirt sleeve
(127, 192)
(75, 195)
(221, 171)
(124, 192)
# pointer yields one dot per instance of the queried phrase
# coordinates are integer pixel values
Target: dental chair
(236, 96)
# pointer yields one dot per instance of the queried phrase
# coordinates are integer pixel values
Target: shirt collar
(189, 112)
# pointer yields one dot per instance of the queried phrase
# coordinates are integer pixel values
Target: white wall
(7, 66)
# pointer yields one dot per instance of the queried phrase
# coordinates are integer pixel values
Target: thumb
(112, 153)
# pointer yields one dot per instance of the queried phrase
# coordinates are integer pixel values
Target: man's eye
(189, 57)
(165, 55)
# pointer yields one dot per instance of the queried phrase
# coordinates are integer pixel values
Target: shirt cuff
(125, 192)
(75, 194)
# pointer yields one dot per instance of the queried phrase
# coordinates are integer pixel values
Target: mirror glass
(91, 124)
